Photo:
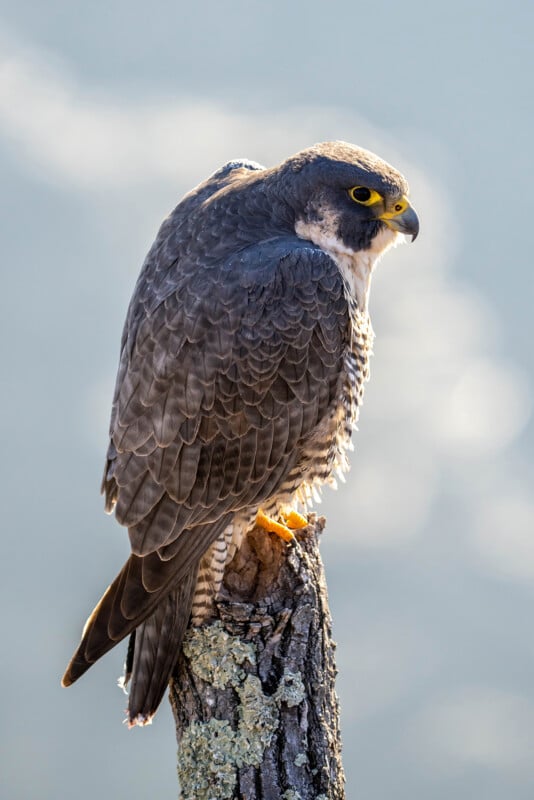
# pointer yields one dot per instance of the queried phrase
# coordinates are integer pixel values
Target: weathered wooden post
(253, 694)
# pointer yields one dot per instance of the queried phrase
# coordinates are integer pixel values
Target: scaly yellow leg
(293, 520)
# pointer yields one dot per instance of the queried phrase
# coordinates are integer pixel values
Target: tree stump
(253, 693)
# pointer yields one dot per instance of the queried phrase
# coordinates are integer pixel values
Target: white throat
(356, 267)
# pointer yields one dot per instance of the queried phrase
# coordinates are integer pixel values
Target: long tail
(153, 596)
(131, 598)
(156, 646)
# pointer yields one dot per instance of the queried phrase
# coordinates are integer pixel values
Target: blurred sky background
(109, 112)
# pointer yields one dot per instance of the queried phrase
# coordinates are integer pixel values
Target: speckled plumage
(243, 361)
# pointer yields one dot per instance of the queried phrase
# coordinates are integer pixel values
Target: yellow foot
(292, 519)
(271, 526)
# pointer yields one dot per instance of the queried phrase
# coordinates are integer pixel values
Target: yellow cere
(398, 208)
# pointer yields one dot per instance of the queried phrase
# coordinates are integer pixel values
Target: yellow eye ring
(364, 196)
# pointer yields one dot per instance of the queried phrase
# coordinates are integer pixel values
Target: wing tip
(75, 670)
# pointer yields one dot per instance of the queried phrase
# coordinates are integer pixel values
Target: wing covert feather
(222, 375)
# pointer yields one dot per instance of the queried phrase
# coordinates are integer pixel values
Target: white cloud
(503, 533)
(489, 405)
(476, 726)
(440, 403)
(380, 663)
(388, 495)
(93, 141)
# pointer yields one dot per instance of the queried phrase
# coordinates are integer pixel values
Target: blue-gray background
(109, 111)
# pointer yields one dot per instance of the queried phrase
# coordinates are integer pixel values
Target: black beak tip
(413, 224)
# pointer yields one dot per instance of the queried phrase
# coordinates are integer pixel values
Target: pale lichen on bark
(253, 694)
(216, 658)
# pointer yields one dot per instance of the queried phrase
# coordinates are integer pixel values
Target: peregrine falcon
(242, 368)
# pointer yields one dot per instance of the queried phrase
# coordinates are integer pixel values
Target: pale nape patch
(356, 267)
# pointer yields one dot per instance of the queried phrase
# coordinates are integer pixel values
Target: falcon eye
(360, 194)
(364, 196)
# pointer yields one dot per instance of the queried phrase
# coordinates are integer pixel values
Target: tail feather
(156, 649)
(123, 606)
(134, 596)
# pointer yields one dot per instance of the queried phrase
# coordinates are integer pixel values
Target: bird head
(348, 196)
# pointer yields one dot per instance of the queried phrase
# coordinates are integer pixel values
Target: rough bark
(253, 693)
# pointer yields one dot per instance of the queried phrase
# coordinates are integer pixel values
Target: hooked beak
(402, 218)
